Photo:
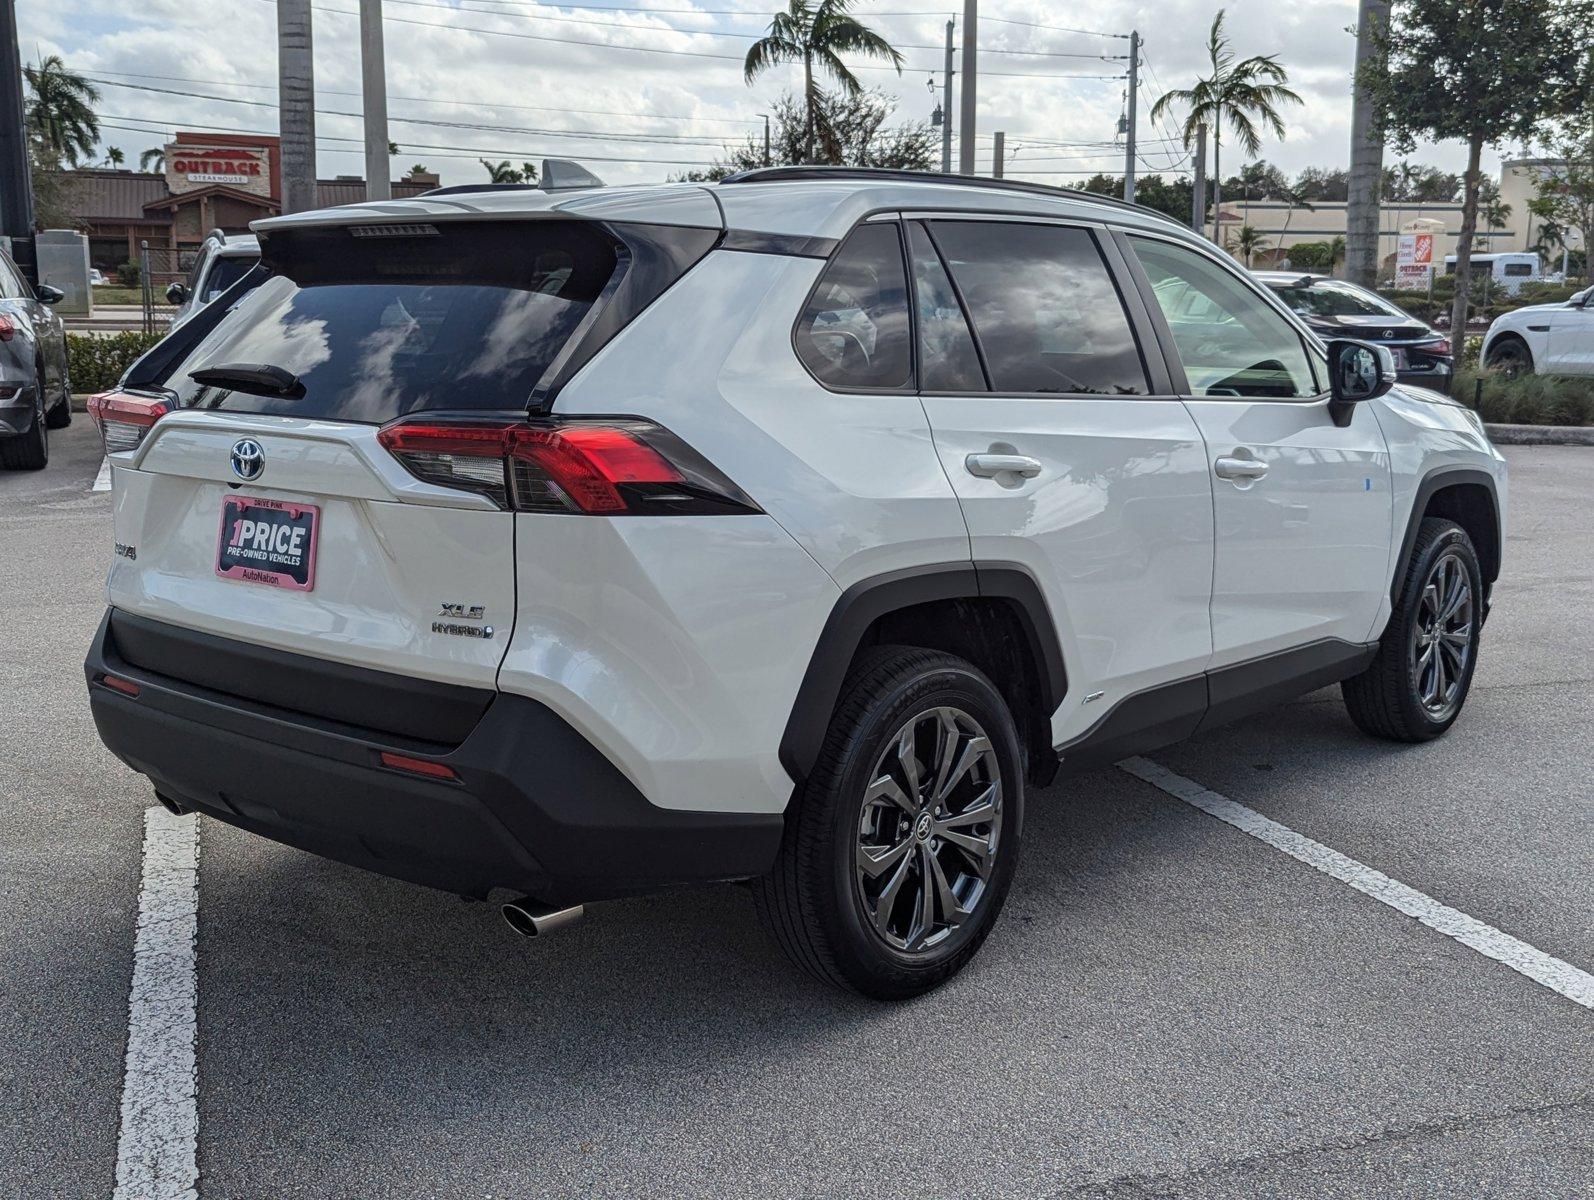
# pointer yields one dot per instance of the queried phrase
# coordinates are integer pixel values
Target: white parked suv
(792, 529)
(1550, 339)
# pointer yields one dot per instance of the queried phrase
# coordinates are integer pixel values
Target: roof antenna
(562, 175)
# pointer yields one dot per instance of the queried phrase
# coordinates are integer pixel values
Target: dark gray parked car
(35, 396)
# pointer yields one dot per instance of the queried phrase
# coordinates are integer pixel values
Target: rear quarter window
(374, 325)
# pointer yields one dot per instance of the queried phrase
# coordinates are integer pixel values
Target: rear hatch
(261, 506)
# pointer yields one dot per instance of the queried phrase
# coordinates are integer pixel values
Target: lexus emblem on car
(248, 459)
(1388, 333)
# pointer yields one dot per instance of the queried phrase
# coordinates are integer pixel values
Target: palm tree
(1248, 241)
(153, 159)
(1247, 94)
(817, 35)
(501, 172)
(59, 109)
(114, 157)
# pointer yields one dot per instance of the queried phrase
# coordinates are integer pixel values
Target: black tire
(1511, 357)
(816, 902)
(1390, 698)
(29, 451)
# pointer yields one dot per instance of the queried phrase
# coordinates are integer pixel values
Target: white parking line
(102, 481)
(1560, 977)
(157, 1147)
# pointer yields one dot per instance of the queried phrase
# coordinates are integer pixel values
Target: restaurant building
(207, 181)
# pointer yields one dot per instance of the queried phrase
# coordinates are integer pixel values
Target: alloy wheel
(1442, 636)
(929, 830)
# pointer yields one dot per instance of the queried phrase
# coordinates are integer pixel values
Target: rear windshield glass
(1327, 298)
(375, 322)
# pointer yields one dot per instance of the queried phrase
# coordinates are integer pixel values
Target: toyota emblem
(248, 459)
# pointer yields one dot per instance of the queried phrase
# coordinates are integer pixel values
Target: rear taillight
(1439, 346)
(607, 467)
(124, 419)
(8, 328)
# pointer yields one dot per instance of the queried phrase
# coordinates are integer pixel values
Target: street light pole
(1198, 193)
(971, 21)
(16, 180)
(373, 79)
(296, 104)
(946, 107)
(1129, 133)
(766, 140)
(998, 154)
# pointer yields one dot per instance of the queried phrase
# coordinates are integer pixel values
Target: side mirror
(176, 293)
(48, 293)
(1357, 371)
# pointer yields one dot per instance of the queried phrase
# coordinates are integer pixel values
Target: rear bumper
(535, 808)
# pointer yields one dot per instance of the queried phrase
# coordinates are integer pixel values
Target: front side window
(1044, 307)
(224, 272)
(853, 332)
(1230, 341)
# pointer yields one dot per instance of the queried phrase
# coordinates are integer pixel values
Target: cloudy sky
(638, 89)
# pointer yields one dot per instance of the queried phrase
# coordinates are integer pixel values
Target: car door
(1070, 456)
(17, 303)
(1302, 504)
(1571, 347)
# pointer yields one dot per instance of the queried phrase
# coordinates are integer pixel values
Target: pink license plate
(268, 541)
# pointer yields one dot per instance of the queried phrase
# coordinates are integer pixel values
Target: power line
(495, 104)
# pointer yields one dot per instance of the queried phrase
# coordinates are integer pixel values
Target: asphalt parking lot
(1169, 1007)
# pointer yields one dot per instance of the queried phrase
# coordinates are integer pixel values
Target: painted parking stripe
(102, 481)
(1560, 977)
(157, 1147)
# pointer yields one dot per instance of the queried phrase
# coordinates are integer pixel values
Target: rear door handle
(1238, 467)
(990, 465)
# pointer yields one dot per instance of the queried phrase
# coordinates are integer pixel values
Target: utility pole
(16, 181)
(373, 79)
(1129, 131)
(946, 107)
(998, 154)
(1366, 152)
(296, 104)
(1198, 195)
(767, 160)
(971, 22)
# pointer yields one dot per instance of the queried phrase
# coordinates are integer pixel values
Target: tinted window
(1044, 308)
(853, 333)
(948, 361)
(1519, 268)
(462, 316)
(1230, 341)
(227, 270)
(1331, 298)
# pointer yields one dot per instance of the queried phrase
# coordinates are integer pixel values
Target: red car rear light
(8, 328)
(124, 419)
(1440, 346)
(608, 467)
(416, 766)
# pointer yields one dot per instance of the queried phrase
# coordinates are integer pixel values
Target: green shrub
(95, 363)
(127, 274)
(1311, 256)
(1526, 400)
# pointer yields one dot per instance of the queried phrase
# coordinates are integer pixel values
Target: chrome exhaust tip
(530, 918)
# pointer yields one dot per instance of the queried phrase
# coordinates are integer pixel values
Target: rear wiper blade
(260, 379)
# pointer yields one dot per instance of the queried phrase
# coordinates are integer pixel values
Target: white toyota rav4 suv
(562, 546)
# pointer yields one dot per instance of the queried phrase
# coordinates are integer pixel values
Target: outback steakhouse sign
(189, 168)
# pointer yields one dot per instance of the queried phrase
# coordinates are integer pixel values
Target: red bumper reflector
(126, 686)
(417, 766)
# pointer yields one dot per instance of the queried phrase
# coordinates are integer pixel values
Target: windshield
(378, 321)
(1331, 298)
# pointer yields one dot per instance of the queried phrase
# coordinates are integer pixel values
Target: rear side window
(948, 361)
(1044, 307)
(399, 319)
(853, 332)
(227, 270)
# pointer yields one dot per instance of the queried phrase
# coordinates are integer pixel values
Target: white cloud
(439, 71)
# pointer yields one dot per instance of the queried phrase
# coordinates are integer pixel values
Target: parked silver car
(35, 396)
(223, 260)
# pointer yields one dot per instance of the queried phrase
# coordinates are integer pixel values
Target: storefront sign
(189, 168)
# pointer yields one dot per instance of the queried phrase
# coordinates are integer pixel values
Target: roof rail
(459, 189)
(219, 234)
(887, 174)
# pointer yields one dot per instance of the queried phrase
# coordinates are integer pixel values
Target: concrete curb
(1541, 435)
